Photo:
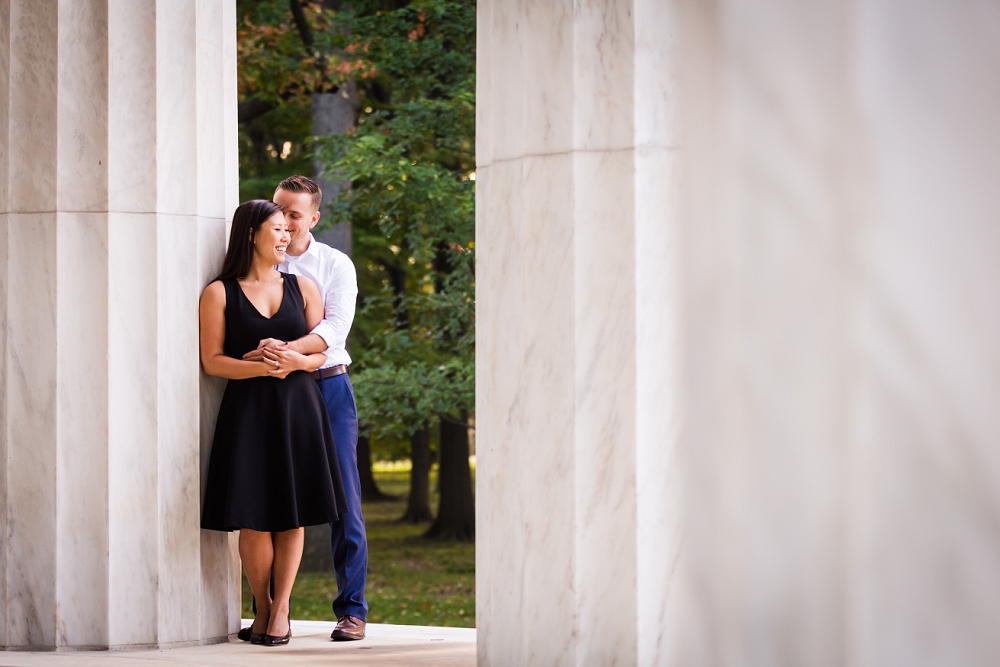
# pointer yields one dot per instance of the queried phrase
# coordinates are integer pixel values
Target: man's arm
(339, 302)
(308, 344)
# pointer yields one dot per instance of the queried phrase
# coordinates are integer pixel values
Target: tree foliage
(411, 164)
(283, 61)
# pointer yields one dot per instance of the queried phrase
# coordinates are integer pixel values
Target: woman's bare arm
(313, 301)
(213, 335)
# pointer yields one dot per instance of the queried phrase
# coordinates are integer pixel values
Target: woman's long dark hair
(247, 221)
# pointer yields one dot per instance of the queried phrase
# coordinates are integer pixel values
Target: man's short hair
(305, 184)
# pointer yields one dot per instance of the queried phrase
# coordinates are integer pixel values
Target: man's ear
(315, 219)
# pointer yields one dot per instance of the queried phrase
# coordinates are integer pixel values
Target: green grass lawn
(410, 580)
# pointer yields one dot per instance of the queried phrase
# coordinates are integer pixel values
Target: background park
(376, 98)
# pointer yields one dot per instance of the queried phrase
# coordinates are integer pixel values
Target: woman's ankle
(263, 615)
(279, 620)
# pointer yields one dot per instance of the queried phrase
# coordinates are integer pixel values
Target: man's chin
(295, 249)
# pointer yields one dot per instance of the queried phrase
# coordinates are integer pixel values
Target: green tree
(411, 163)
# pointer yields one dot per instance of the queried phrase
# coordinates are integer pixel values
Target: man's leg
(348, 541)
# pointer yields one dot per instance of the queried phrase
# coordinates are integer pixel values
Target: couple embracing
(275, 324)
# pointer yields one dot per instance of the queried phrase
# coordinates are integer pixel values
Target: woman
(273, 468)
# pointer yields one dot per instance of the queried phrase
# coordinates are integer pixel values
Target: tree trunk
(456, 519)
(369, 490)
(418, 508)
(334, 113)
(397, 278)
(316, 555)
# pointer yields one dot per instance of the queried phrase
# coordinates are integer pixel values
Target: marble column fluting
(117, 117)
(81, 382)
(217, 199)
(32, 341)
(4, 420)
(526, 184)
(659, 401)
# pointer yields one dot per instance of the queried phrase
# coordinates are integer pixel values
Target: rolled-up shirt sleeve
(340, 301)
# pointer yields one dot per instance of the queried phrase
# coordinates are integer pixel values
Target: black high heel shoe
(273, 640)
(248, 635)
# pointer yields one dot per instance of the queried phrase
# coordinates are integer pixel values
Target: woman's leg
(257, 554)
(287, 554)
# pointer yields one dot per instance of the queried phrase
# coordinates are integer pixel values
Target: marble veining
(82, 121)
(32, 108)
(81, 420)
(31, 403)
(212, 95)
(4, 108)
(132, 86)
(179, 437)
(603, 75)
(4, 417)
(659, 399)
(177, 108)
(133, 457)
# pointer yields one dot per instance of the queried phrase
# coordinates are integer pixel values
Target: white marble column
(738, 325)
(117, 174)
(576, 149)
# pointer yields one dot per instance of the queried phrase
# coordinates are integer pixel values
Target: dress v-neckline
(256, 309)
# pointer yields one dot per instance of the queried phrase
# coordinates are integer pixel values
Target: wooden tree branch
(305, 30)
(308, 39)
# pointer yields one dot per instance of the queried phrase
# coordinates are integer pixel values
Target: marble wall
(117, 174)
(738, 297)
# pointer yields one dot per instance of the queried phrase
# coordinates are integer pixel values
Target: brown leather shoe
(348, 628)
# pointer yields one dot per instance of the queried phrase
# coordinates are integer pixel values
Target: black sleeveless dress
(273, 465)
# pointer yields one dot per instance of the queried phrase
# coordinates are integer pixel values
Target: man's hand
(258, 354)
(284, 360)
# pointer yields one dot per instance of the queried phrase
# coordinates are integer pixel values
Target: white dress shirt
(334, 273)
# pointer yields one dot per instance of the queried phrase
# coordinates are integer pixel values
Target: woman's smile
(275, 231)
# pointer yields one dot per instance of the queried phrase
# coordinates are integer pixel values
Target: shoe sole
(343, 637)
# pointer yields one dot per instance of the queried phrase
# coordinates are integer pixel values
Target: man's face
(300, 214)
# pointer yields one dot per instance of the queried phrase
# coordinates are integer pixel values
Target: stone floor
(310, 645)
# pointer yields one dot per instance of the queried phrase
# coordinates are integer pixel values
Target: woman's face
(271, 240)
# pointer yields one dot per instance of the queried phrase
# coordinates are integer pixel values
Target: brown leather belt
(330, 372)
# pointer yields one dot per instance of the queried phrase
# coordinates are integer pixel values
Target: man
(333, 271)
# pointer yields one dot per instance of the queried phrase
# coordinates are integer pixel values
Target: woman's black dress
(273, 464)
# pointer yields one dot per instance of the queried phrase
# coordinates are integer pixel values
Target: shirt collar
(310, 250)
